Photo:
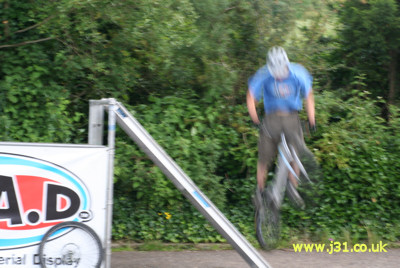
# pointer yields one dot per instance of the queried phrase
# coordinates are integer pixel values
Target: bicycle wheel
(70, 244)
(267, 221)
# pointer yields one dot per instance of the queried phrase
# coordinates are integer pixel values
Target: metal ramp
(118, 113)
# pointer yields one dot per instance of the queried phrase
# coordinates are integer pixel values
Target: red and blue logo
(35, 195)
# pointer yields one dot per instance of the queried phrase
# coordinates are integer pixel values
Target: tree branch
(35, 25)
(6, 25)
(229, 9)
(26, 42)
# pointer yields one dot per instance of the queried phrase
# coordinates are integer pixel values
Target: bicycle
(71, 244)
(267, 218)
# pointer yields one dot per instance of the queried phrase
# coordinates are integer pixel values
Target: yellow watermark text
(336, 247)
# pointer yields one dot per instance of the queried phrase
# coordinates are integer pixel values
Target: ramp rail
(168, 166)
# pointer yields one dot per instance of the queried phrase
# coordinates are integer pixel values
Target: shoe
(294, 196)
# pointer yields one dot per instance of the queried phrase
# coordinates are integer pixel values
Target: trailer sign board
(42, 185)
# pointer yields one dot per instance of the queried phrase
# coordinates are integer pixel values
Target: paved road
(231, 259)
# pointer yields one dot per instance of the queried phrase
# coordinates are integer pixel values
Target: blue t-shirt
(281, 95)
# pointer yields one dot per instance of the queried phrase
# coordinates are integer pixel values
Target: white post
(96, 122)
(110, 186)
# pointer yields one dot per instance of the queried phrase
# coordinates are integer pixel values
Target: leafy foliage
(194, 138)
(182, 66)
(370, 43)
(359, 192)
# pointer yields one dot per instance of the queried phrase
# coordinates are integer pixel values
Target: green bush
(190, 136)
(357, 151)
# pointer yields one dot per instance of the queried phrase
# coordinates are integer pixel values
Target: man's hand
(256, 121)
(312, 126)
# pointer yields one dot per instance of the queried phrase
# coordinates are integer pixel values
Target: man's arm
(251, 106)
(310, 108)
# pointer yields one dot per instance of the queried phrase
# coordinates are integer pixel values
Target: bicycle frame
(286, 155)
(267, 217)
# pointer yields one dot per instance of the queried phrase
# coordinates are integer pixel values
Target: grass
(160, 246)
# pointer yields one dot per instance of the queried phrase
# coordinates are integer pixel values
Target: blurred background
(182, 66)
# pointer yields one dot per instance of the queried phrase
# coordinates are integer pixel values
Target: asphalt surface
(275, 258)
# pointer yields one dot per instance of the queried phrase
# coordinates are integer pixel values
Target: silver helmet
(277, 62)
